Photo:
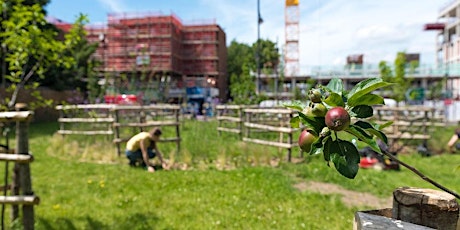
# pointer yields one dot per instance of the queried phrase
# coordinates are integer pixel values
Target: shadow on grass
(134, 221)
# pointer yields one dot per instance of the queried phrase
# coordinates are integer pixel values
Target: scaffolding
(161, 47)
(152, 51)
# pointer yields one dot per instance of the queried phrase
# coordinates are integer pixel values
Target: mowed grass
(83, 184)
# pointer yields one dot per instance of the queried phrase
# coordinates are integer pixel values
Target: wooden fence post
(25, 182)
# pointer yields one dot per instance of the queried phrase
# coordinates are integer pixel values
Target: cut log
(427, 207)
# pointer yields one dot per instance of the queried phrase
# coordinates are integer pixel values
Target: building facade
(162, 51)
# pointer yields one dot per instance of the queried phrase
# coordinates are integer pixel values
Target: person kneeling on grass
(453, 140)
(142, 147)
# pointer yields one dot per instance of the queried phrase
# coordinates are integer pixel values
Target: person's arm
(160, 157)
(145, 156)
(452, 141)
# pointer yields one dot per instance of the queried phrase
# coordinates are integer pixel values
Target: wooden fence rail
(409, 122)
(272, 121)
(93, 119)
(230, 119)
(249, 121)
(115, 121)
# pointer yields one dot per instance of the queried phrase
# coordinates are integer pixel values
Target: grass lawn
(77, 191)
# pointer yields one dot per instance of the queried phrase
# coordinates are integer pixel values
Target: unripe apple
(337, 119)
(315, 110)
(306, 139)
(315, 95)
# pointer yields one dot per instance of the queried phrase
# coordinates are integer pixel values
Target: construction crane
(291, 49)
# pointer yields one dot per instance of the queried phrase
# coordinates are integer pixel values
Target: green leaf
(384, 125)
(335, 85)
(314, 123)
(372, 130)
(366, 86)
(317, 147)
(367, 99)
(295, 122)
(363, 136)
(345, 157)
(296, 105)
(327, 145)
(362, 111)
(334, 100)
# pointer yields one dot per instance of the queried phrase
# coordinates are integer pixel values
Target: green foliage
(241, 61)
(243, 88)
(239, 55)
(397, 76)
(358, 104)
(79, 74)
(31, 49)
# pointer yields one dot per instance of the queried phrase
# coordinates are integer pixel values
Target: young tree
(397, 76)
(243, 88)
(31, 49)
(241, 62)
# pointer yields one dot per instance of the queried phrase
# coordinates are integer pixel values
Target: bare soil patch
(349, 198)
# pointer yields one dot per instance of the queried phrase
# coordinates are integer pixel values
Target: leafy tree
(241, 62)
(243, 88)
(269, 55)
(80, 50)
(238, 55)
(31, 50)
(397, 76)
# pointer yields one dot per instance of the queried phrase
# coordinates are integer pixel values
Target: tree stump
(426, 207)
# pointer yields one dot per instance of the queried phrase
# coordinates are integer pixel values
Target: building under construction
(161, 58)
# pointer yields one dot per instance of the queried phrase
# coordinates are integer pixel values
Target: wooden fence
(143, 118)
(118, 122)
(230, 119)
(92, 119)
(21, 186)
(249, 121)
(409, 122)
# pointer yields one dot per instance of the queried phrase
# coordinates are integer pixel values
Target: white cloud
(115, 5)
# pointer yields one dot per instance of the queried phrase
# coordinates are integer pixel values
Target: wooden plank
(409, 136)
(147, 124)
(146, 107)
(85, 106)
(71, 132)
(270, 143)
(86, 120)
(9, 151)
(19, 158)
(228, 130)
(16, 116)
(418, 124)
(271, 111)
(228, 118)
(20, 200)
(270, 128)
(367, 221)
(122, 140)
(222, 107)
(404, 108)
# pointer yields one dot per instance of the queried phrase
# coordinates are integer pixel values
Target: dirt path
(349, 198)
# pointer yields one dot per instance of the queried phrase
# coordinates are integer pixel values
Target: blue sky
(330, 30)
